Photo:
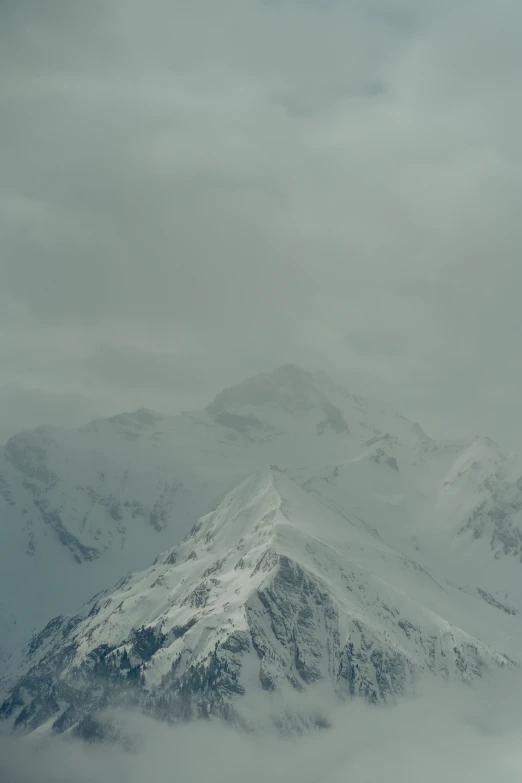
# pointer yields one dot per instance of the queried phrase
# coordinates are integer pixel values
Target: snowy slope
(269, 594)
(79, 508)
(455, 507)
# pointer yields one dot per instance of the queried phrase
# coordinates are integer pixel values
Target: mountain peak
(292, 373)
(246, 510)
(289, 387)
(269, 509)
(257, 512)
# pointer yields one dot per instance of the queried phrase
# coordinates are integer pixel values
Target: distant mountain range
(371, 555)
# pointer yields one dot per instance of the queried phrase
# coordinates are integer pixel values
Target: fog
(444, 734)
(195, 192)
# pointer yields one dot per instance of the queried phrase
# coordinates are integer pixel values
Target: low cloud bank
(446, 734)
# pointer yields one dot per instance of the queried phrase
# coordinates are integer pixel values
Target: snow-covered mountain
(80, 508)
(270, 593)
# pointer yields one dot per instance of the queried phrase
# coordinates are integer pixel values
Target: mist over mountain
(444, 734)
(260, 492)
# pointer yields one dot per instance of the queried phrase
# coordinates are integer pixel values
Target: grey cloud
(448, 735)
(201, 191)
(135, 369)
(22, 408)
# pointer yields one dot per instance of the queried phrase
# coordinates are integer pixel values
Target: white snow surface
(431, 529)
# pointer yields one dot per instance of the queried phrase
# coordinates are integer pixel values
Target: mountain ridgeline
(370, 557)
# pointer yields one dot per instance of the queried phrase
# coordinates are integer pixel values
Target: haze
(194, 192)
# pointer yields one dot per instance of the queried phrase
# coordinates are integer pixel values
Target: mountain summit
(312, 398)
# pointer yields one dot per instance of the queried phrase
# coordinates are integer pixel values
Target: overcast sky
(192, 192)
